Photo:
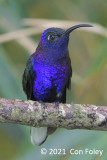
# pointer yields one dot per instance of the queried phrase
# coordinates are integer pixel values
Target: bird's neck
(50, 55)
(50, 58)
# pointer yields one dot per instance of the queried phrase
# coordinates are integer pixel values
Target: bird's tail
(38, 135)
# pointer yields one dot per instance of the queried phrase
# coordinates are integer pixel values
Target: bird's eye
(51, 37)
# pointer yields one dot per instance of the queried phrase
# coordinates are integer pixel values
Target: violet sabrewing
(48, 73)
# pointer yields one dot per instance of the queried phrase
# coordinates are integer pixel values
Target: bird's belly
(48, 83)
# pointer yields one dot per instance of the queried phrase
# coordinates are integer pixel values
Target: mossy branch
(70, 116)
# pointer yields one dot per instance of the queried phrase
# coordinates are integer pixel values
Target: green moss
(19, 114)
(1, 107)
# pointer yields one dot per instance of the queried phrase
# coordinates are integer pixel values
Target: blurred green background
(21, 24)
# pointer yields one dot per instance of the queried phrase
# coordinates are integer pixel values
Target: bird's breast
(49, 80)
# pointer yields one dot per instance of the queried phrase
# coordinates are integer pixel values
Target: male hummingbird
(48, 73)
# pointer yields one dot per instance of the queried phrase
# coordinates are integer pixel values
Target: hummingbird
(48, 73)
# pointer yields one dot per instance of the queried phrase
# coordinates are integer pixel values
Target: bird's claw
(42, 104)
(56, 105)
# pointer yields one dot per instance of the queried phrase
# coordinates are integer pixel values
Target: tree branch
(70, 116)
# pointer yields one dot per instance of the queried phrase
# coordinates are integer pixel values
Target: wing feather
(28, 79)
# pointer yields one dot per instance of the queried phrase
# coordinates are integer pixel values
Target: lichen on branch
(69, 116)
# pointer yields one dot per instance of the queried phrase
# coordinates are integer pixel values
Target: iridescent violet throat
(48, 73)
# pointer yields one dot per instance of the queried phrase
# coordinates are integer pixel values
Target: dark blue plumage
(48, 72)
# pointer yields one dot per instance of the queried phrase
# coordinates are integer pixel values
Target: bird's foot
(56, 105)
(42, 104)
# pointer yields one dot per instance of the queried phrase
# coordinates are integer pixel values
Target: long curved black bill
(69, 30)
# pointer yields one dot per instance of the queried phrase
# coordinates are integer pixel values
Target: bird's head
(54, 43)
(56, 38)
